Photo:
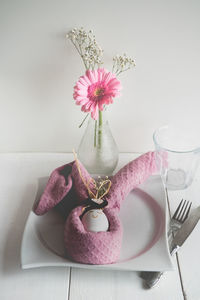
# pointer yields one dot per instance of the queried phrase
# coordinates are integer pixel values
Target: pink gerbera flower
(95, 89)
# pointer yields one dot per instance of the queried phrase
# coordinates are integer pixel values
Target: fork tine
(184, 209)
(181, 211)
(177, 210)
(187, 213)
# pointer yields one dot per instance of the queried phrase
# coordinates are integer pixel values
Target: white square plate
(144, 247)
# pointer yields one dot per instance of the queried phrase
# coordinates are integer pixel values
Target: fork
(179, 217)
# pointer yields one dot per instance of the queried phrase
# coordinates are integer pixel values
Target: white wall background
(38, 69)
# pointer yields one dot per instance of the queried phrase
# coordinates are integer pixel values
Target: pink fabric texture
(93, 247)
(89, 247)
(59, 184)
(130, 177)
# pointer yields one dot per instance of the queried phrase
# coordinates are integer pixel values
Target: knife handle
(152, 278)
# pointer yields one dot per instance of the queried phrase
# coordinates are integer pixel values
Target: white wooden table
(18, 187)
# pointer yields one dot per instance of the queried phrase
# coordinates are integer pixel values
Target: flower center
(98, 92)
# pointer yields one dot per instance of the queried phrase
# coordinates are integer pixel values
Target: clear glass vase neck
(98, 151)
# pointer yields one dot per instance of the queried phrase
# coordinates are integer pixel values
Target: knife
(183, 233)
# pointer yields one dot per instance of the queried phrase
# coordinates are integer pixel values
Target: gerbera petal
(83, 108)
(93, 105)
(82, 93)
(81, 102)
(80, 86)
(85, 77)
(88, 104)
(81, 82)
(108, 99)
(91, 76)
(107, 77)
(100, 74)
(114, 83)
(95, 112)
(95, 72)
(79, 98)
(101, 105)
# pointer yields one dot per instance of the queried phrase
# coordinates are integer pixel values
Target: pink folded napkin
(90, 247)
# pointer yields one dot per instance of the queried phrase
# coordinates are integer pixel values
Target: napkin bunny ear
(67, 178)
(58, 185)
(130, 177)
(62, 181)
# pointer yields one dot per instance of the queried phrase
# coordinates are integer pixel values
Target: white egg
(95, 220)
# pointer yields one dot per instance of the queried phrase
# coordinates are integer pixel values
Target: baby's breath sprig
(122, 63)
(87, 47)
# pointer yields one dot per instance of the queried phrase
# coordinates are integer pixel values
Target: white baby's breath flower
(122, 63)
(86, 45)
(91, 53)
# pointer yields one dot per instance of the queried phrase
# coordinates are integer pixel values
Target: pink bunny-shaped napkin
(93, 247)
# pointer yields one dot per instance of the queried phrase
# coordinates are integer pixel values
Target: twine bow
(102, 188)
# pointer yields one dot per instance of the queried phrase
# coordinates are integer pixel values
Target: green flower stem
(95, 134)
(100, 129)
(83, 120)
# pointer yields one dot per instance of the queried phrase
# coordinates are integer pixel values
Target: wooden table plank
(188, 255)
(18, 178)
(109, 285)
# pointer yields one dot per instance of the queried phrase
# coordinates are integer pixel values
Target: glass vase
(98, 151)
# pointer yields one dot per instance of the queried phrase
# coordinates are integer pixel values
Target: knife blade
(183, 233)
